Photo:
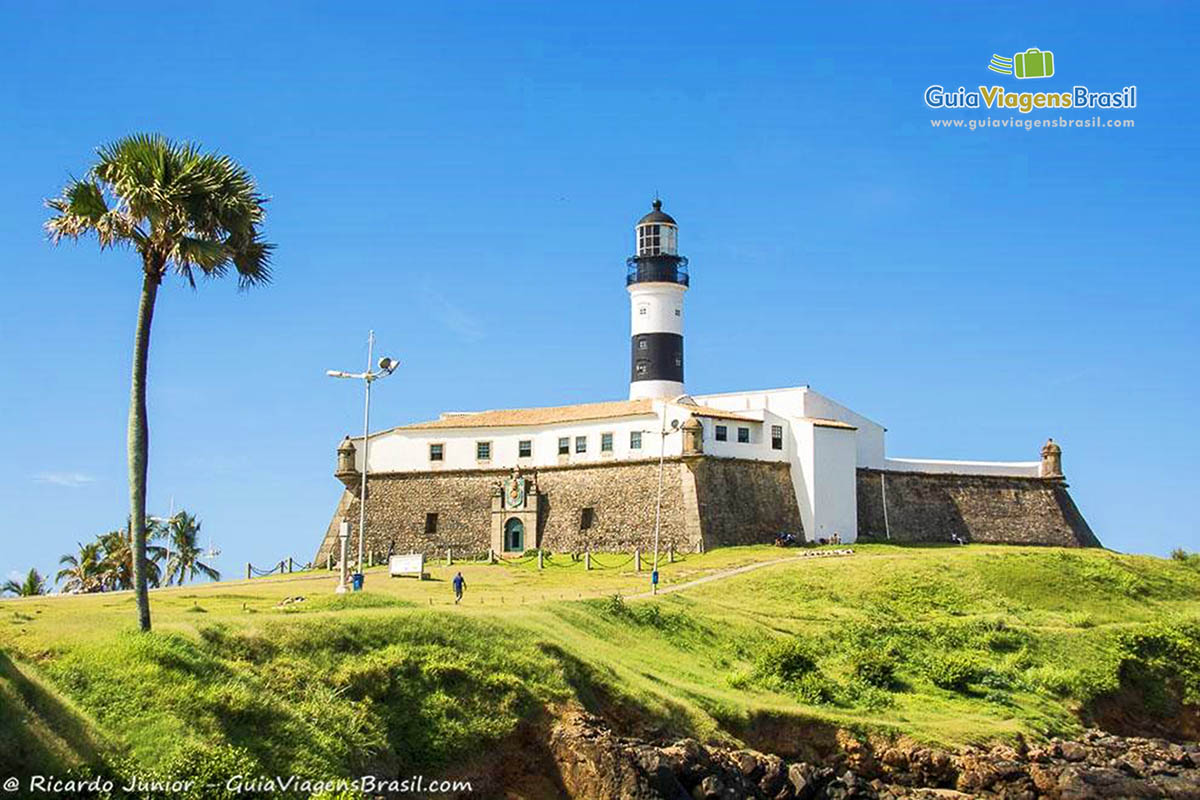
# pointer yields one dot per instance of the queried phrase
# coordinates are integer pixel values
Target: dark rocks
(594, 763)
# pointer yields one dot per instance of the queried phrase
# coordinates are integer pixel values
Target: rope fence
(641, 560)
(285, 567)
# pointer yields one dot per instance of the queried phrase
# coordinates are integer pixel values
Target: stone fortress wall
(707, 502)
(930, 507)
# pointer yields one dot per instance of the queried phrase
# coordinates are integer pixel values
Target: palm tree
(83, 572)
(34, 584)
(116, 565)
(182, 210)
(183, 533)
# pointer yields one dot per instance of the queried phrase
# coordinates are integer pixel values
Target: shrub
(874, 668)
(786, 660)
(954, 670)
(615, 605)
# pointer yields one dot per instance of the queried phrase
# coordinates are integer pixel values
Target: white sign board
(413, 564)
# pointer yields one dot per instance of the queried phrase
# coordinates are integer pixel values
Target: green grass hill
(946, 645)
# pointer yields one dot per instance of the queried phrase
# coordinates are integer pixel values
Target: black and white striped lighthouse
(657, 278)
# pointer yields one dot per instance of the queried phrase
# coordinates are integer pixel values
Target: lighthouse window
(677, 312)
(722, 433)
(643, 344)
(483, 451)
(564, 445)
(776, 437)
(525, 448)
(743, 436)
(643, 310)
(436, 451)
(606, 443)
(679, 359)
(580, 444)
(650, 243)
(635, 440)
(642, 367)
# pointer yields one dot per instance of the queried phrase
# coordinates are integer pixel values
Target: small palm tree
(83, 571)
(183, 533)
(116, 565)
(34, 584)
(182, 210)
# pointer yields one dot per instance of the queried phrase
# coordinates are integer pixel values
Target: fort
(702, 471)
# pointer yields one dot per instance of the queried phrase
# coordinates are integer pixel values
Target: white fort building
(739, 467)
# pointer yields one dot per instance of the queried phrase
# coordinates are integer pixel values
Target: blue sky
(464, 179)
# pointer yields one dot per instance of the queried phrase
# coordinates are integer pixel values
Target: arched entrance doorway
(514, 536)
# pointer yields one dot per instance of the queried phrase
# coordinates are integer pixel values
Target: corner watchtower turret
(656, 278)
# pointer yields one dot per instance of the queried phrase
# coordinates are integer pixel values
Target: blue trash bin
(356, 581)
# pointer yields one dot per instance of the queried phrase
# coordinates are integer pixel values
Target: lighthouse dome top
(657, 215)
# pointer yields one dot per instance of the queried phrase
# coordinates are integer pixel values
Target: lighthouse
(657, 278)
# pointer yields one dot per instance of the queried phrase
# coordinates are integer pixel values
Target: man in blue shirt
(459, 584)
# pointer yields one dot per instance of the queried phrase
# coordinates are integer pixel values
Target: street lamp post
(386, 367)
(662, 451)
(343, 537)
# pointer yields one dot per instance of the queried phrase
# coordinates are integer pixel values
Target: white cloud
(72, 480)
(459, 321)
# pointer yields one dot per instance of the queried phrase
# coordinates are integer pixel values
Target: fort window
(483, 451)
(431, 522)
(606, 443)
(525, 448)
(564, 446)
(776, 437)
(580, 444)
(586, 518)
(722, 433)
(743, 436)
(635, 440)
(436, 451)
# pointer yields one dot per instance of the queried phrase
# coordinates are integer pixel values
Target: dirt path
(729, 573)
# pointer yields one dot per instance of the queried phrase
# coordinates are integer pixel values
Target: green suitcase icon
(1034, 63)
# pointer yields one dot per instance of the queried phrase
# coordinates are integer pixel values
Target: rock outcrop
(595, 763)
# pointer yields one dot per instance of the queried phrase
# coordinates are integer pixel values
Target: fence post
(370, 558)
(637, 559)
(541, 564)
(671, 553)
(491, 556)
(291, 565)
(329, 560)
(449, 556)
(247, 570)
(587, 560)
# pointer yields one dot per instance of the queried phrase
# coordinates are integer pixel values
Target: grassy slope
(941, 644)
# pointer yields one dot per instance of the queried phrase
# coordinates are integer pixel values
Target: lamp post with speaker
(386, 366)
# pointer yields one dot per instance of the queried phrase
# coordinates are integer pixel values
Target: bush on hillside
(1163, 664)
(874, 668)
(953, 670)
(786, 660)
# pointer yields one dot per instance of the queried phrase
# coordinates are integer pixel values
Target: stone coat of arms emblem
(514, 491)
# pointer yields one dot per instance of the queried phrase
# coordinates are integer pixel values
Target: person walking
(460, 583)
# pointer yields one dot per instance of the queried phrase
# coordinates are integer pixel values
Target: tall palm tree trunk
(139, 443)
